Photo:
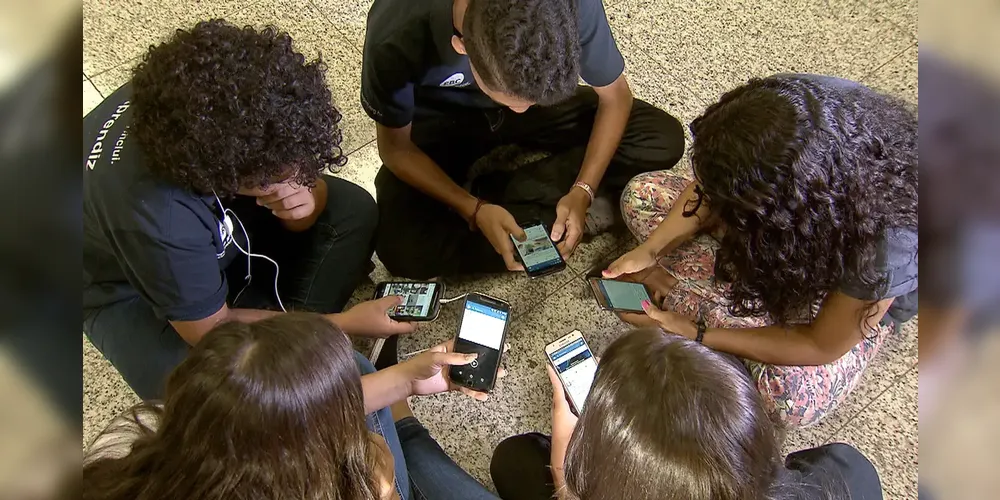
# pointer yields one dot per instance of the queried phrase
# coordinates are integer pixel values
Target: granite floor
(681, 54)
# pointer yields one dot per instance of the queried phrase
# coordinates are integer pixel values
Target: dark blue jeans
(320, 268)
(423, 470)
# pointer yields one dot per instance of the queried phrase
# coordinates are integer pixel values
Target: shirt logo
(455, 80)
(225, 234)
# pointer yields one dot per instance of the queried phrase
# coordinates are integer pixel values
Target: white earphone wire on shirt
(249, 254)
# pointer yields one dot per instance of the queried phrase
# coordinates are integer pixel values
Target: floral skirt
(799, 395)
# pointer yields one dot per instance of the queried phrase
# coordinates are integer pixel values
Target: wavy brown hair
(272, 409)
(808, 176)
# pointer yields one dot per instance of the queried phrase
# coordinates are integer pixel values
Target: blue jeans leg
(381, 423)
(433, 474)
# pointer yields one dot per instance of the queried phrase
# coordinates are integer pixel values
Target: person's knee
(671, 135)
(665, 135)
(364, 216)
(517, 450)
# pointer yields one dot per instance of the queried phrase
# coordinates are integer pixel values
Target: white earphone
(228, 216)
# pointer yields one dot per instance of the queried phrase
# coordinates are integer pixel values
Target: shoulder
(116, 440)
(127, 198)
(896, 260)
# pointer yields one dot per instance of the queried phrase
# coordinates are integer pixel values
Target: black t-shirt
(835, 470)
(409, 59)
(143, 236)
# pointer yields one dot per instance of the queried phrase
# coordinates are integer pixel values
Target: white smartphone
(575, 365)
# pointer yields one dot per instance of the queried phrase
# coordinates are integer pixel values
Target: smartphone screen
(482, 331)
(576, 366)
(419, 299)
(623, 295)
(537, 251)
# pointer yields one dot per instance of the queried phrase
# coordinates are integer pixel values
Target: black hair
(526, 48)
(219, 108)
(808, 176)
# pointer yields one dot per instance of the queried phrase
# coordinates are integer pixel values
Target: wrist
(337, 319)
(583, 193)
(687, 328)
(403, 376)
(650, 249)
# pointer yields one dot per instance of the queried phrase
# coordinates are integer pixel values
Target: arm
(672, 231)
(193, 331)
(613, 109)
(385, 387)
(835, 331)
(675, 227)
(414, 167)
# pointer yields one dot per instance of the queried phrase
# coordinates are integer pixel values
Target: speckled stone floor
(681, 55)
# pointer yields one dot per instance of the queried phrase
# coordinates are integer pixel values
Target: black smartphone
(482, 330)
(537, 253)
(421, 299)
(623, 296)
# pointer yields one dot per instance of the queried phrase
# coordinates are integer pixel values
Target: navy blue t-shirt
(409, 59)
(143, 236)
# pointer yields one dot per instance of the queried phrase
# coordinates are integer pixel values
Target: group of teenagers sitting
(219, 257)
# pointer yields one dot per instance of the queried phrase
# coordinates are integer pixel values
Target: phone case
(549, 270)
(435, 309)
(503, 340)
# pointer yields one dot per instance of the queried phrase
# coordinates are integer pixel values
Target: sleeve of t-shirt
(897, 260)
(173, 265)
(601, 63)
(387, 85)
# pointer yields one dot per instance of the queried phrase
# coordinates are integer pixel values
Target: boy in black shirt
(219, 140)
(450, 80)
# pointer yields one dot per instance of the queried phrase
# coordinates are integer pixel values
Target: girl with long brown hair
(670, 419)
(278, 409)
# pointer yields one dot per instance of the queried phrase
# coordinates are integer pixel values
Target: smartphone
(575, 365)
(482, 330)
(624, 296)
(421, 299)
(537, 252)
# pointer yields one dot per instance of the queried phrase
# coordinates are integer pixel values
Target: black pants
(420, 238)
(520, 468)
(320, 269)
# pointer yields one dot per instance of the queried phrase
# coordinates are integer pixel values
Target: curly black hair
(808, 176)
(526, 48)
(219, 108)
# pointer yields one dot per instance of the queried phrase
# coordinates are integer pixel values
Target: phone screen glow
(417, 298)
(576, 367)
(537, 251)
(624, 295)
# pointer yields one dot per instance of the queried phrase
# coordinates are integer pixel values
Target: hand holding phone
(499, 227)
(619, 296)
(574, 365)
(537, 253)
(482, 331)
(421, 300)
(428, 371)
(371, 319)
